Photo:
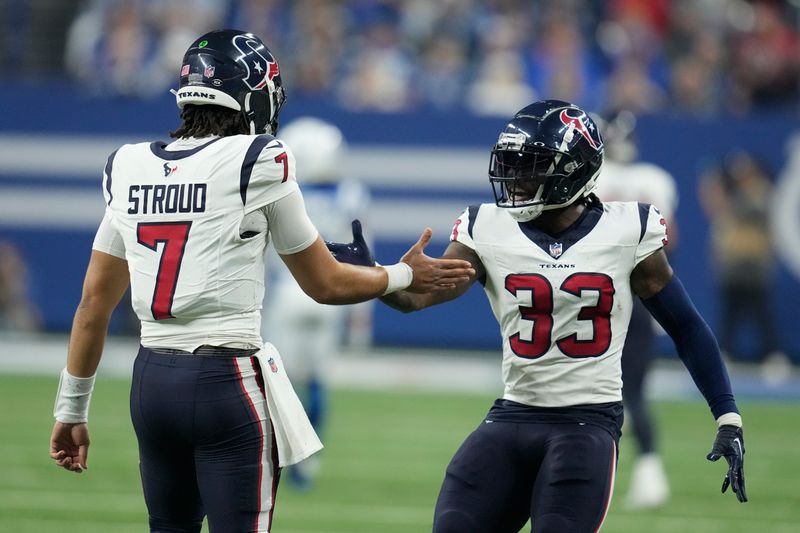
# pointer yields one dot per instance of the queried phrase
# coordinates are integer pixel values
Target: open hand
(434, 274)
(69, 446)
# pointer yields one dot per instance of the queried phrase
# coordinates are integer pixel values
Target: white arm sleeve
(108, 240)
(291, 229)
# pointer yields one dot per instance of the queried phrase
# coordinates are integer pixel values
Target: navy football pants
(206, 445)
(559, 475)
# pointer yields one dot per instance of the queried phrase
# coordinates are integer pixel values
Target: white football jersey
(638, 182)
(563, 302)
(186, 216)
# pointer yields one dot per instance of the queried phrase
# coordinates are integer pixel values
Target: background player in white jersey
(560, 270)
(308, 334)
(625, 179)
(188, 224)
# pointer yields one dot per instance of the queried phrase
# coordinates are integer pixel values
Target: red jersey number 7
(173, 235)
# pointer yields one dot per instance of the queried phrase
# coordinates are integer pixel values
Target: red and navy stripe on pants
(206, 442)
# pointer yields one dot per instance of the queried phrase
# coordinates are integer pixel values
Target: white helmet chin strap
(525, 214)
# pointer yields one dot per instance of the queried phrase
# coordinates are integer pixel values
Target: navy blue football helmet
(233, 69)
(547, 157)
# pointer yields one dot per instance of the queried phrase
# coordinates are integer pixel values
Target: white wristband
(400, 277)
(730, 419)
(72, 399)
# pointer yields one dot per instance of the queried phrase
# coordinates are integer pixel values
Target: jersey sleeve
(462, 228)
(653, 233)
(107, 239)
(291, 229)
(268, 173)
(107, 181)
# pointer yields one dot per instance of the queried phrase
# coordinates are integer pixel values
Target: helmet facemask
(527, 182)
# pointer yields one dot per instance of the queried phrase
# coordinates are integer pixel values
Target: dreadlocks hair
(207, 120)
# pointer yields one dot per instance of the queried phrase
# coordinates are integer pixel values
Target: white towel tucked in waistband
(294, 434)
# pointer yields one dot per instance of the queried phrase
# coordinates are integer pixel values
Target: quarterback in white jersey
(560, 270)
(187, 224)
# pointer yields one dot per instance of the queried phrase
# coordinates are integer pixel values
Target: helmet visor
(513, 164)
(523, 178)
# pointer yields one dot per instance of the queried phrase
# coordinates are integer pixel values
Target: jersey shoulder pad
(267, 172)
(464, 226)
(652, 231)
(116, 160)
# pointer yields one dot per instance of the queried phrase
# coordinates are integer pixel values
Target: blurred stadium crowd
(488, 56)
(710, 82)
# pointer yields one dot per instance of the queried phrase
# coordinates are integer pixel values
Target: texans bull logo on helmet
(260, 65)
(579, 125)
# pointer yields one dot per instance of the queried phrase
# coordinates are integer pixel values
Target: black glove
(730, 445)
(356, 252)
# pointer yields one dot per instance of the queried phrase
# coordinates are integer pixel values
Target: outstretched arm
(105, 283)
(407, 302)
(328, 281)
(666, 299)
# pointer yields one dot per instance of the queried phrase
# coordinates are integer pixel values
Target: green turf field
(384, 460)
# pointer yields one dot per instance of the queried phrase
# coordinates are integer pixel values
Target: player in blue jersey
(186, 225)
(310, 335)
(561, 270)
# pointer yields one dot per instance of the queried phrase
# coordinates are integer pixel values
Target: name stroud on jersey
(174, 198)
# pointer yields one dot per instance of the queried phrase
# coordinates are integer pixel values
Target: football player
(561, 270)
(624, 178)
(309, 334)
(187, 224)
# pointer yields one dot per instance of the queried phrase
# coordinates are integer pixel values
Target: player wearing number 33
(187, 224)
(560, 269)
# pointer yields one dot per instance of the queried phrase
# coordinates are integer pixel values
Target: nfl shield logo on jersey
(556, 250)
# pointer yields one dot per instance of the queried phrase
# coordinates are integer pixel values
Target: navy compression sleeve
(696, 345)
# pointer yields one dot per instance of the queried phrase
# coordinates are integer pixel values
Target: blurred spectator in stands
(499, 86)
(17, 313)
(130, 47)
(737, 197)
(317, 40)
(560, 64)
(377, 63)
(273, 18)
(766, 57)
(630, 88)
(442, 73)
(697, 83)
(696, 47)
(699, 56)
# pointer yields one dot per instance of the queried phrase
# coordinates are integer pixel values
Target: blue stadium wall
(422, 169)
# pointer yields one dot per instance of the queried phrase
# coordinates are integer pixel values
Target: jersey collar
(577, 231)
(159, 149)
